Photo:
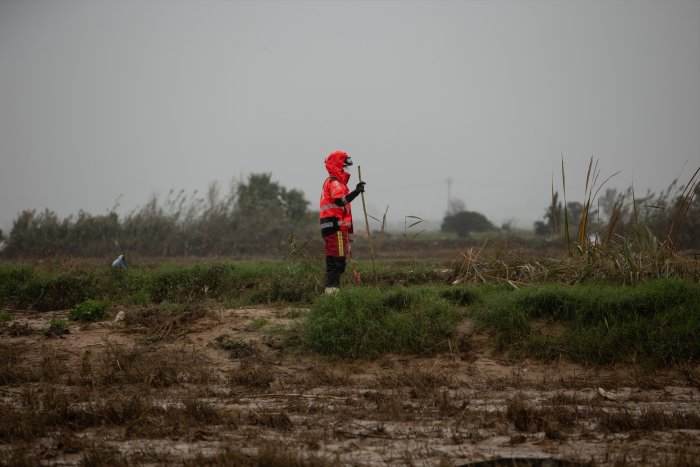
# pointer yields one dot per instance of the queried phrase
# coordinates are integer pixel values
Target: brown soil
(222, 387)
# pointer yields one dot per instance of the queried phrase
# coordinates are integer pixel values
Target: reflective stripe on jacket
(332, 215)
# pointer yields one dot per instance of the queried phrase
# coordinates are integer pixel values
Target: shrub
(656, 322)
(89, 310)
(364, 322)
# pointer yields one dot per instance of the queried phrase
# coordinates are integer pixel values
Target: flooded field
(228, 387)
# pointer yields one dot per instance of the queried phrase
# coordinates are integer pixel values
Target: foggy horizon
(118, 101)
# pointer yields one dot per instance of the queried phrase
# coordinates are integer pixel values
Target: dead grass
(11, 369)
(206, 413)
(50, 408)
(268, 455)
(17, 328)
(386, 405)
(53, 364)
(419, 382)
(154, 367)
(236, 348)
(159, 324)
(253, 376)
(19, 456)
(98, 454)
(624, 420)
(327, 375)
(555, 421)
(691, 373)
(275, 420)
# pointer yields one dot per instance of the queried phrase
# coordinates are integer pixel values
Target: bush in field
(465, 222)
(656, 322)
(365, 322)
(186, 284)
(51, 291)
(88, 311)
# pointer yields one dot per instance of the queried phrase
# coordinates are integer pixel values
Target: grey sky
(104, 98)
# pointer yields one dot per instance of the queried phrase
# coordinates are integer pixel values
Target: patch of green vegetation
(259, 322)
(241, 283)
(655, 323)
(171, 308)
(44, 291)
(189, 284)
(58, 324)
(413, 311)
(290, 314)
(88, 311)
(128, 286)
(402, 272)
(294, 283)
(5, 316)
(365, 322)
(12, 277)
(461, 295)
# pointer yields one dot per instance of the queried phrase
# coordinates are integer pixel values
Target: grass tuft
(236, 348)
(364, 322)
(89, 311)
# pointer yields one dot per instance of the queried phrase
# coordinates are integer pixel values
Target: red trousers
(337, 249)
(337, 244)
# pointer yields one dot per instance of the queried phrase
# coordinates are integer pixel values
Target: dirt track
(217, 380)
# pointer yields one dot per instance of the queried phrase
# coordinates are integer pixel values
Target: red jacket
(334, 217)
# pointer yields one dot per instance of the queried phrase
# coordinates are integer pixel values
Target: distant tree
(34, 233)
(295, 205)
(465, 222)
(265, 211)
(551, 219)
(575, 212)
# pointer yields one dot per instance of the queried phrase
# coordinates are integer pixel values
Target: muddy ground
(227, 387)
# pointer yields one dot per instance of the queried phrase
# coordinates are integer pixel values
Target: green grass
(32, 288)
(654, 323)
(5, 316)
(364, 322)
(413, 309)
(60, 324)
(259, 323)
(88, 311)
(47, 288)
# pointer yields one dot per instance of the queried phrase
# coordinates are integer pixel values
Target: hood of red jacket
(334, 166)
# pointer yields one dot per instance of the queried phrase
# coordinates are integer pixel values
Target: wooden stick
(369, 234)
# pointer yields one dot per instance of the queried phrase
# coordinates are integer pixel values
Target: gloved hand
(360, 188)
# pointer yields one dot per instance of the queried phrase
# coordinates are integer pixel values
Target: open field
(201, 375)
